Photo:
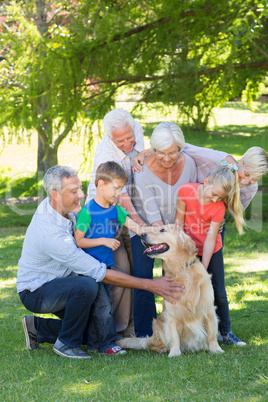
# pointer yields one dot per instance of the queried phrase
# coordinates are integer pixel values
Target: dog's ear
(190, 247)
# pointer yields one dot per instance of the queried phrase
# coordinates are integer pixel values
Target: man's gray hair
(164, 136)
(117, 119)
(54, 176)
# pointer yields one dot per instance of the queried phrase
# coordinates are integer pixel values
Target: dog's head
(167, 242)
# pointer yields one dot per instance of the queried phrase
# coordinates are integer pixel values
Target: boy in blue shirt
(95, 230)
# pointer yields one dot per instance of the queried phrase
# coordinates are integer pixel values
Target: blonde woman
(200, 211)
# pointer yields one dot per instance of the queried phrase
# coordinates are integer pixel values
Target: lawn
(241, 373)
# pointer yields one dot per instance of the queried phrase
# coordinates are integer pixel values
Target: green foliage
(64, 60)
(29, 186)
(205, 59)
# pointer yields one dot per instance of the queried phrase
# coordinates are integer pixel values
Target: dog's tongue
(155, 247)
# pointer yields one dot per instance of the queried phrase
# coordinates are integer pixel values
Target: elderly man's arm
(125, 202)
(138, 161)
(164, 286)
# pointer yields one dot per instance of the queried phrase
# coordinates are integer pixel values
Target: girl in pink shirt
(200, 211)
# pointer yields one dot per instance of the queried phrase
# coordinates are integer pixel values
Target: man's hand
(137, 162)
(167, 288)
(111, 243)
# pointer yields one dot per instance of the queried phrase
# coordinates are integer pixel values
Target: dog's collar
(191, 262)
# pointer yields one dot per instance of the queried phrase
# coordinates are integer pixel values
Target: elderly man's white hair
(54, 176)
(164, 136)
(117, 119)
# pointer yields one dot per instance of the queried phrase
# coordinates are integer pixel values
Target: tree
(41, 87)
(197, 55)
(65, 60)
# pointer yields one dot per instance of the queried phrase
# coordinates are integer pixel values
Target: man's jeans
(72, 299)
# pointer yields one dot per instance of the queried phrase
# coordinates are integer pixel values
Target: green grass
(239, 374)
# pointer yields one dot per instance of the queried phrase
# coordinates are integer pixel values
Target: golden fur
(191, 324)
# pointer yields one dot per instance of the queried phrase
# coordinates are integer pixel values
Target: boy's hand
(111, 243)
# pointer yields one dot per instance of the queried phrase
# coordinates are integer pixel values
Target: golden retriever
(191, 324)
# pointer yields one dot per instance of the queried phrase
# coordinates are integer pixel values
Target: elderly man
(55, 276)
(122, 143)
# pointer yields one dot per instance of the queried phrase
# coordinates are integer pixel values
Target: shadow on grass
(242, 278)
(260, 107)
(240, 130)
(234, 139)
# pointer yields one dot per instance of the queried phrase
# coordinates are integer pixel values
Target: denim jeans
(72, 300)
(223, 233)
(144, 303)
(216, 269)
(101, 329)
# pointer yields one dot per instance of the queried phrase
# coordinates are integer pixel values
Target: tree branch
(151, 25)
(64, 133)
(12, 84)
(260, 49)
(42, 134)
(54, 14)
(263, 65)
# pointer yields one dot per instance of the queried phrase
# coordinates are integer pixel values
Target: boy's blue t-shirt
(96, 221)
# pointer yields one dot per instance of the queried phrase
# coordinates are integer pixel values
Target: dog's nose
(143, 235)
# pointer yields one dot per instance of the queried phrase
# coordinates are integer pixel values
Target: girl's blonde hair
(228, 179)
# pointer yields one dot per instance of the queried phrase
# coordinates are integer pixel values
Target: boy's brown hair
(110, 171)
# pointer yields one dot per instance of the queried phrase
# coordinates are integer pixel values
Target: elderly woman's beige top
(156, 200)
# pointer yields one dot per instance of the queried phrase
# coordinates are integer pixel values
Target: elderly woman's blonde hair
(255, 161)
(164, 136)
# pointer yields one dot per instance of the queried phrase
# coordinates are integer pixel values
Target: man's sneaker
(116, 350)
(66, 351)
(30, 332)
(231, 339)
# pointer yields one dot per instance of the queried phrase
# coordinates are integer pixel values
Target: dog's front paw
(216, 349)
(174, 352)
(163, 350)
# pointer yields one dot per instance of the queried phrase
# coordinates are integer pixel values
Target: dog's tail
(133, 343)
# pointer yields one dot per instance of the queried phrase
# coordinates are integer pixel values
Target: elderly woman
(164, 171)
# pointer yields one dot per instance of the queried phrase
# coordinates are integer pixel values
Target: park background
(200, 64)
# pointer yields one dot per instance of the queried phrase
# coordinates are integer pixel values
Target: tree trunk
(46, 153)
(47, 156)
